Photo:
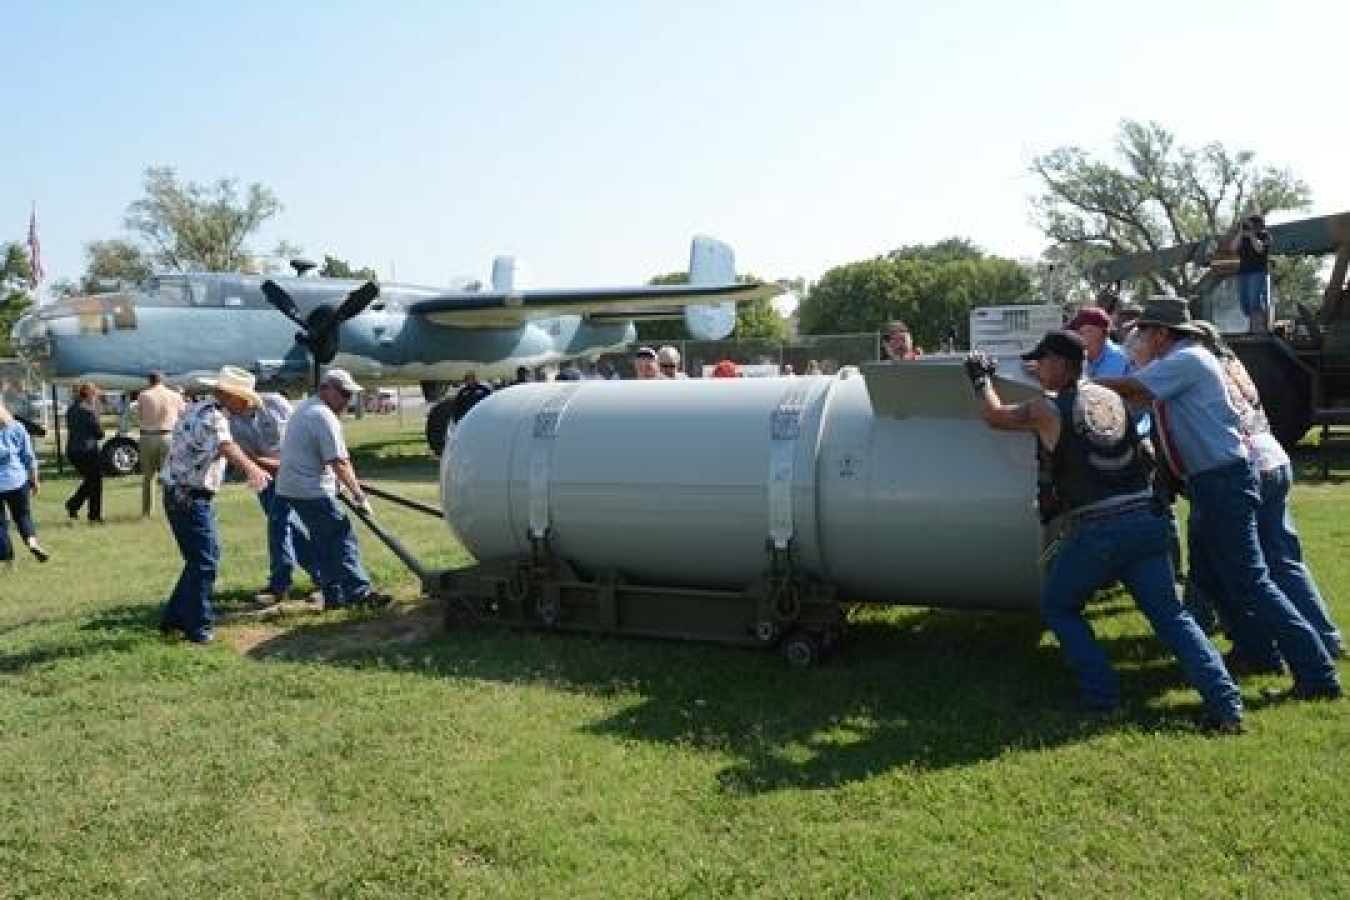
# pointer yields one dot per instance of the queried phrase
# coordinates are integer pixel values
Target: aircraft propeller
(320, 329)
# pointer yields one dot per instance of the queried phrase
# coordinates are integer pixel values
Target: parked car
(384, 400)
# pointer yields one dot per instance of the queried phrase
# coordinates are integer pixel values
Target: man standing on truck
(1252, 246)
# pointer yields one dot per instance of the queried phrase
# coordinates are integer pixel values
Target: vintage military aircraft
(189, 325)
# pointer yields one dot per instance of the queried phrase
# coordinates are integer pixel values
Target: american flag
(35, 249)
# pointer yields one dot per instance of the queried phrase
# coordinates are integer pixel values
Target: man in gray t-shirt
(314, 462)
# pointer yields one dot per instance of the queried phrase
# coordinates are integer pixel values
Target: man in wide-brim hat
(1202, 440)
(194, 471)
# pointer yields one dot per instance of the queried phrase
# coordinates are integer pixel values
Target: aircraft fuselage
(190, 325)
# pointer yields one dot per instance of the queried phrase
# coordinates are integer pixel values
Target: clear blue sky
(593, 138)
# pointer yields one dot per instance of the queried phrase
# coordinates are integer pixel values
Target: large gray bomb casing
(884, 481)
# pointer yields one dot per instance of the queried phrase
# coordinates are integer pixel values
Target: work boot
(1324, 692)
(375, 599)
(1209, 723)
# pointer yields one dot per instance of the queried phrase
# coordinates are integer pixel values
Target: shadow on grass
(111, 631)
(904, 689)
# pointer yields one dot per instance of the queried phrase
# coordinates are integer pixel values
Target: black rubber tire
(121, 456)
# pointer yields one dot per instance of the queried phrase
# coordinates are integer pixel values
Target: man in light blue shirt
(259, 433)
(1104, 358)
(1202, 442)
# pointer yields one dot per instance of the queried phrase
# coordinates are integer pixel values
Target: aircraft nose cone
(31, 339)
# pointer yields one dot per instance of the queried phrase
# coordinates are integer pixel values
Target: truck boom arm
(1317, 236)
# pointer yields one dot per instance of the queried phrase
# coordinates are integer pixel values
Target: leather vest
(1097, 456)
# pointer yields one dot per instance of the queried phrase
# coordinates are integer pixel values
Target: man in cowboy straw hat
(192, 474)
(314, 461)
(1275, 526)
(1089, 451)
(1202, 441)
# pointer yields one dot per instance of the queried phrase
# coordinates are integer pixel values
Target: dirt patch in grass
(298, 629)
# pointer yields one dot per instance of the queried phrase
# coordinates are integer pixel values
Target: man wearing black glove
(1089, 452)
(980, 368)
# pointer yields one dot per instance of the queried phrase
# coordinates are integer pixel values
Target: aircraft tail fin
(504, 273)
(711, 262)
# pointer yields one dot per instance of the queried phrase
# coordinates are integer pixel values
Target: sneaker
(315, 598)
(202, 637)
(1239, 668)
(38, 550)
(1324, 692)
(375, 599)
(267, 597)
(1212, 724)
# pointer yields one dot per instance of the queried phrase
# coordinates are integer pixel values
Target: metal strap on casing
(546, 423)
(785, 427)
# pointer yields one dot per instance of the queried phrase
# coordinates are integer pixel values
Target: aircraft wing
(501, 309)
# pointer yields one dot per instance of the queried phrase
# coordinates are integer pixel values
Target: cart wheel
(801, 649)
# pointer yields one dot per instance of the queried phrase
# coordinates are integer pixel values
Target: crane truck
(1302, 369)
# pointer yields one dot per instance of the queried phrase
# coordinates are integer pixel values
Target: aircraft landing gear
(121, 456)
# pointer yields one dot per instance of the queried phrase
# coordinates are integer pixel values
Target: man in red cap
(1105, 358)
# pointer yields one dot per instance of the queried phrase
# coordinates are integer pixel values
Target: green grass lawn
(364, 754)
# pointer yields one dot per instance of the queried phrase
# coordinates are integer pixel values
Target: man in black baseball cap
(1096, 485)
(1064, 344)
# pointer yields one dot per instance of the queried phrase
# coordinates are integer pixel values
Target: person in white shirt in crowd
(668, 361)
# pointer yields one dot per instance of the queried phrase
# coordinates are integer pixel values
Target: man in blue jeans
(193, 472)
(1252, 246)
(1275, 529)
(314, 461)
(259, 433)
(1202, 442)
(1089, 453)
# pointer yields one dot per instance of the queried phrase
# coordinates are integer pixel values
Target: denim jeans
(193, 523)
(336, 553)
(1131, 547)
(1254, 292)
(288, 543)
(18, 502)
(1228, 567)
(1284, 557)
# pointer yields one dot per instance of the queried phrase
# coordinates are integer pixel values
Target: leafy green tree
(15, 295)
(931, 287)
(339, 268)
(113, 260)
(192, 226)
(1157, 193)
(753, 320)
